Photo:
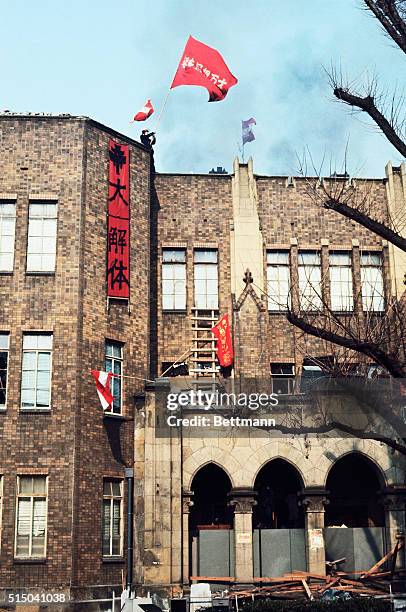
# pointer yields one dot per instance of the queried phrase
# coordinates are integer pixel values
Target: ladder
(204, 360)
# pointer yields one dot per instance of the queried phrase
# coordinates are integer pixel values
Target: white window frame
(278, 266)
(112, 364)
(31, 497)
(111, 498)
(205, 273)
(5, 348)
(289, 377)
(371, 262)
(43, 218)
(340, 266)
(7, 218)
(41, 343)
(310, 285)
(173, 279)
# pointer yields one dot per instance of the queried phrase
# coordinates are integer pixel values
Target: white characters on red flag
(103, 388)
(204, 66)
(145, 112)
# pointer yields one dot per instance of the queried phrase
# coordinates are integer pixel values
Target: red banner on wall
(224, 341)
(118, 237)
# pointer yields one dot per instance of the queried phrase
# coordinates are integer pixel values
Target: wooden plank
(399, 544)
(307, 590)
(280, 580)
(329, 585)
(214, 578)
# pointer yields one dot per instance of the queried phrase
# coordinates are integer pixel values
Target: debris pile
(375, 582)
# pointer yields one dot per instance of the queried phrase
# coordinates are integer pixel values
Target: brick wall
(198, 209)
(72, 443)
(195, 211)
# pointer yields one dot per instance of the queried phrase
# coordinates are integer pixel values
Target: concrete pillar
(187, 502)
(313, 500)
(394, 499)
(247, 245)
(243, 500)
(396, 199)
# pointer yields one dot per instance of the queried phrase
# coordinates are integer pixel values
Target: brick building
(201, 246)
(54, 173)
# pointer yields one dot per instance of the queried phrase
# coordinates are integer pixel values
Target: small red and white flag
(145, 112)
(103, 388)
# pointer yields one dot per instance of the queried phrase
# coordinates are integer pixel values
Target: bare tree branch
(369, 349)
(377, 227)
(387, 14)
(367, 105)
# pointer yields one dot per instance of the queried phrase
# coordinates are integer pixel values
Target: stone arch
(288, 457)
(207, 455)
(353, 483)
(278, 484)
(330, 450)
(370, 456)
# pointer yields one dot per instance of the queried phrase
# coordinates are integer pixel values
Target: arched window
(210, 487)
(277, 485)
(353, 484)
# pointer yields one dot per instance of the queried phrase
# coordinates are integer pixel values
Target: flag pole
(189, 350)
(127, 376)
(162, 110)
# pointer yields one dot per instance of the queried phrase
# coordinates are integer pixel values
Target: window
(313, 369)
(3, 369)
(174, 279)
(41, 249)
(206, 279)
(114, 363)
(341, 281)
(310, 293)
(31, 521)
(283, 378)
(372, 282)
(7, 235)
(36, 374)
(278, 279)
(112, 518)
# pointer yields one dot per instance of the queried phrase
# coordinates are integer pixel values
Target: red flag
(145, 112)
(204, 66)
(222, 332)
(103, 388)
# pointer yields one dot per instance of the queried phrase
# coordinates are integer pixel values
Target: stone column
(313, 500)
(394, 500)
(242, 500)
(187, 502)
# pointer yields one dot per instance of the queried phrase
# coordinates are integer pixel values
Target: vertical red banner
(118, 207)
(222, 332)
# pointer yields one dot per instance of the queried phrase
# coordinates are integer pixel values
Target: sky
(104, 58)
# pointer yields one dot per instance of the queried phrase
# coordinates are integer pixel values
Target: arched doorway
(354, 483)
(278, 520)
(211, 524)
(210, 487)
(354, 516)
(277, 485)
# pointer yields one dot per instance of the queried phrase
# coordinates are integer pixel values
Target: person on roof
(148, 139)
